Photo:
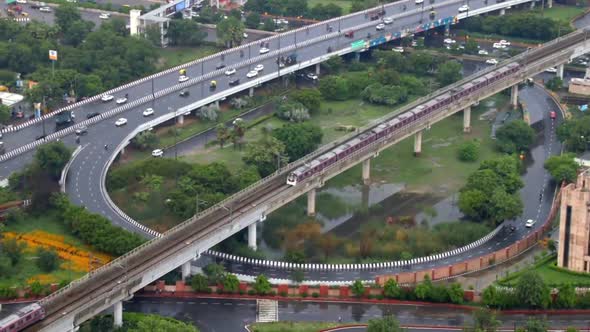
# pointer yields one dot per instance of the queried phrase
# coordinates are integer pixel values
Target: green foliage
(299, 139)
(185, 33)
(531, 291)
(423, 290)
(357, 288)
(515, 137)
(261, 285)
(378, 93)
(483, 320)
(13, 250)
(145, 140)
(455, 293)
(266, 155)
(391, 289)
(215, 273)
(5, 114)
(310, 98)
(449, 72)
(136, 322)
(230, 31)
(333, 65)
(536, 325)
(520, 24)
(491, 191)
(469, 151)
(563, 167)
(297, 276)
(471, 46)
(334, 88)
(52, 158)
(95, 229)
(252, 21)
(566, 297)
(231, 284)
(199, 283)
(324, 12)
(5, 266)
(386, 324)
(575, 133)
(47, 259)
(293, 111)
(554, 84)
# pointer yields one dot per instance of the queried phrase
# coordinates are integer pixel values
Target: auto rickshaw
(182, 72)
(213, 85)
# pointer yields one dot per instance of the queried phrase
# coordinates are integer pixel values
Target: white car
(121, 122)
(504, 42)
(104, 16)
(183, 78)
(45, 9)
(398, 49)
(419, 2)
(449, 41)
(121, 100)
(157, 153)
(388, 20)
(312, 76)
(380, 26)
(259, 67)
(148, 112)
(21, 1)
(230, 71)
(499, 46)
(252, 73)
(529, 223)
(482, 52)
(264, 50)
(245, 35)
(463, 8)
(492, 61)
(551, 70)
(106, 98)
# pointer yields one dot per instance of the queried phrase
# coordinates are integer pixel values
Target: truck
(287, 61)
(64, 118)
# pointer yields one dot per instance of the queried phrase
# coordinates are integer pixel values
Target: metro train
(22, 318)
(383, 130)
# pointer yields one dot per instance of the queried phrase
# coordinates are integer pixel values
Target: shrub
(251, 292)
(469, 151)
(304, 294)
(47, 259)
(315, 294)
(283, 294)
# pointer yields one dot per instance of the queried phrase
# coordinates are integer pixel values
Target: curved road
(536, 181)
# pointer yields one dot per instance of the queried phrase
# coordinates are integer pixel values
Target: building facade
(574, 225)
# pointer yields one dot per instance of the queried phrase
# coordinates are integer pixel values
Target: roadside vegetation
(137, 322)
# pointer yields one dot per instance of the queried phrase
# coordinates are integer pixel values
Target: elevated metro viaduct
(109, 285)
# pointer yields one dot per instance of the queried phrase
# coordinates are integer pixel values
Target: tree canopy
(563, 167)
(299, 139)
(515, 137)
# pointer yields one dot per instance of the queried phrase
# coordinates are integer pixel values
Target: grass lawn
(291, 326)
(45, 228)
(550, 275)
(562, 13)
(344, 4)
(174, 56)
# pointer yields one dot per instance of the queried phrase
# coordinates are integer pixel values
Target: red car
(553, 115)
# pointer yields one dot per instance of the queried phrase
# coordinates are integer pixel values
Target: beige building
(580, 86)
(574, 225)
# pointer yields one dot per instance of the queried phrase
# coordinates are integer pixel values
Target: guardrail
(64, 171)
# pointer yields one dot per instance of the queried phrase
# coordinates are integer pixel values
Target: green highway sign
(357, 44)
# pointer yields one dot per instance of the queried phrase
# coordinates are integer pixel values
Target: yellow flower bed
(76, 259)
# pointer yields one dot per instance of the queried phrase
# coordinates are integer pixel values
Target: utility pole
(43, 118)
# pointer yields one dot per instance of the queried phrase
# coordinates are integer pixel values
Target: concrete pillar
(560, 71)
(447, 29)
(252, 236)
(217, 103)
(357, 56)
(514, 96)
(251, 92)
(532, 5)
(365, 191)
(418, 143)
(181, 119)
(367, 171)
(467, 120)
(122, 151)
(186, 270)
(118, 314)
(502, 12)
(550, 4)
(311, 202)
(317, 69)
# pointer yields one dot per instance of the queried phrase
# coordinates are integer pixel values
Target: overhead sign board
(357, 44)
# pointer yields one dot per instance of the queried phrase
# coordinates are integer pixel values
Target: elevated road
(116, 281)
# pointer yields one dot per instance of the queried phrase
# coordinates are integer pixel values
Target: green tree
(455, 293)
(47, 260)
(563, 167)
(299, 139)
(199, 283)
(471, 46)
(262, 285)
(13, 250)
(146, 140)
(386, 324)
(215, 273)
(5, 266)
(536, 325)
(253, 20)
(469, 151)
(531, 291)
(554, 84)
(483, 321)
(310, 98)
(514, 137)
(52, 158)
(566, 298)
(230, 32)
(334, 88)
(5, 114)
(391, 289)
(66, 15)
(184, 33)
(231, 283)
(266, 155)
(268, 24)
(357, 288)
(222, 134)
(157, 323)
(423, 290)
(449, 72)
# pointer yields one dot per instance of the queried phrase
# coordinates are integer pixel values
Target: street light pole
(42, 118)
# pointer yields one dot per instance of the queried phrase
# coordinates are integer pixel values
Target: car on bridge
(121, 122)
(492, 62)
(104, 16)
(83, 130)
(121, 100)
(388, 20)
(220, 66)
(252, 73)
(230, 71)
(259, 67)
(106, 98)
(148, 112)
(349, 34)
(380, 27)
(183, 78)
(92, 115)
(264, 50)
(212, 85)
(184, 93)
(551, 70)
(463, 8)
(234, 82)
(419, 2)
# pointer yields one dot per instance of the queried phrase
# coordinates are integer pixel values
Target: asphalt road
(217, 315)
(536, 181)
